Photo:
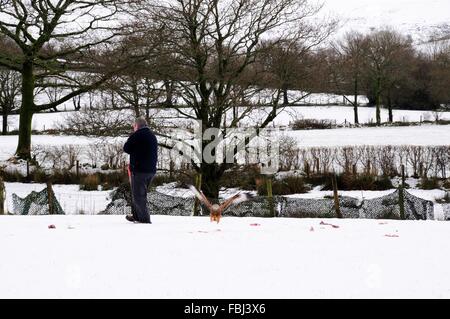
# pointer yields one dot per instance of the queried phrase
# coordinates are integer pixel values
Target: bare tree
(9, 95)
(291, 64)
(349, 67)
(439, 82)
(64, 43)
(138, 92)
(211, 50)
(389, 56)
(102, 123)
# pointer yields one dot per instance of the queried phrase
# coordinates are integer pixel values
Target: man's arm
(129, 145)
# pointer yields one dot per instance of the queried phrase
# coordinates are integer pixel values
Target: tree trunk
(378, 101)
(391, 115)
(5, 124)
(285, 96)
(169, 92)
(137, 111)
(210, 180)
(147, 114)
(355, 104)
(26, 111)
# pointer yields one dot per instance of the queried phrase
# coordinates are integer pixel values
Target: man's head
(139, 123)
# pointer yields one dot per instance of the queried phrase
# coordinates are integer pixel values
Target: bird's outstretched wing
(200, 196)
(236, 199)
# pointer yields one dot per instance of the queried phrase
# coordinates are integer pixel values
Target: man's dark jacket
(143, 149)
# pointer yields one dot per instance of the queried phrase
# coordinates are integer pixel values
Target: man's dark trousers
(139, 186)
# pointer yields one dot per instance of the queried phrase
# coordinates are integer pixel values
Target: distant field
(340, 114)
(409, 135)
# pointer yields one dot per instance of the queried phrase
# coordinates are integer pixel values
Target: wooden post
(78, 168)
(403, 176)
(50, 198)
(171, 167)
(198, 185)
(270, 196)
(355, 171)
(336, 196)
(2, 197)
(401, 195)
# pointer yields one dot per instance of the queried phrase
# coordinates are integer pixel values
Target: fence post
(50, 198)
(307, 170)
(270, 196)
(198, 185)
(401, 195)
(2, 197)
(336, 196)
(28, 170)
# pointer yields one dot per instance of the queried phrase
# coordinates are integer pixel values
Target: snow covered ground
(182, 257)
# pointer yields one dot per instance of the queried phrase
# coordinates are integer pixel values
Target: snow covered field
(340, 114)
(411, 135)
(344, 114)
(176, 257)
(8, 144)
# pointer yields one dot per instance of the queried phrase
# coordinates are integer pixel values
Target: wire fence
(37, 203)
(386, 207)
(446, 209)
(391, 206)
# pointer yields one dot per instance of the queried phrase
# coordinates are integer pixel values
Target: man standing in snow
(143, 149)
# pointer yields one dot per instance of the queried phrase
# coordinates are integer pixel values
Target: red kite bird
(217, 210)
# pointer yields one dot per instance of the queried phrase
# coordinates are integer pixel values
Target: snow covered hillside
(176, 257)
(414, 17)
